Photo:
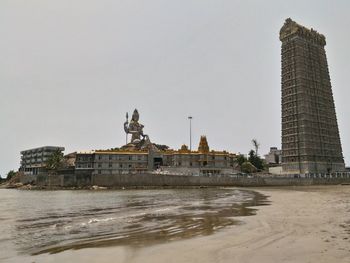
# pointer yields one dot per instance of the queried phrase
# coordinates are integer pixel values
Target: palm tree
(256, 145)
(54, 161)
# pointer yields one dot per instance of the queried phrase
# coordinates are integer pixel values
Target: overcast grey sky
(69, 71)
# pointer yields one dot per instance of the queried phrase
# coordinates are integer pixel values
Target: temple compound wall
(144, 180)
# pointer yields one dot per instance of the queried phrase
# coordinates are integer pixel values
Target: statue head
(135, 116)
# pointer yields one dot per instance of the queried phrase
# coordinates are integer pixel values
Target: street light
(190, 118)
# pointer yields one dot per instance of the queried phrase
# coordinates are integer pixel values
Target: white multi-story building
(33, 161)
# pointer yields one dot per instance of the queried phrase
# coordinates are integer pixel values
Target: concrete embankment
(161, 180)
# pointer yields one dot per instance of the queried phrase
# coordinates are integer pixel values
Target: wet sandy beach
(303, 224)
(33, 223)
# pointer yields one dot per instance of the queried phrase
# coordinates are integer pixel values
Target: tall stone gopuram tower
(310, 135)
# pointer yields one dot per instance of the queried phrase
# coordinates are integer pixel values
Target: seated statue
(139, 141)
(134, 128)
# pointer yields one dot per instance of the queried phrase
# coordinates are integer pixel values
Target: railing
(338, 175)
(345, 175)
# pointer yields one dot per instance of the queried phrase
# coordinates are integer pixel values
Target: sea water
(36, 222)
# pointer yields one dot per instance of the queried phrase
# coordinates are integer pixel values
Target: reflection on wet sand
(137, 218)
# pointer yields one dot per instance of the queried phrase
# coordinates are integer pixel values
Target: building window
(99, 165)
(99, 171)
(110, 165)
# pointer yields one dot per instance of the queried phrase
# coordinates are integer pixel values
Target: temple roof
(203, 145)
(291, 28)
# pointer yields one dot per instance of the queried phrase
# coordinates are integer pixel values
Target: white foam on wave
(96, 220)
(167, 209)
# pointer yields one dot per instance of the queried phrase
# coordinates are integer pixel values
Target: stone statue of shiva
(134, 128)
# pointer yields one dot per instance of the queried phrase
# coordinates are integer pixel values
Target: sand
(302, 224)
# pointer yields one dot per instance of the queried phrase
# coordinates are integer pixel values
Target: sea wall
(171, 180)
(161, 180)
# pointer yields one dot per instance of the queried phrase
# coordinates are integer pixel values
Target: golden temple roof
(203, 145)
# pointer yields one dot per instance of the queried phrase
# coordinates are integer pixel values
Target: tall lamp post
(190, 118)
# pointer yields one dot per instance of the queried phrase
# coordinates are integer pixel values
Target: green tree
(248, 167)
(10, 174)
(255, 160)
(241, 159)
(55, 161)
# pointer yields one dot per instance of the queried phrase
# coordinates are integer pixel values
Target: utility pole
(190, 118)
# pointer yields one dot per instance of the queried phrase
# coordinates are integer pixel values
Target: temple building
(182, 161)
(140, 155)
(310, 135)
(203, 161)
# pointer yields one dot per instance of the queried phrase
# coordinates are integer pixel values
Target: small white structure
(274, 156)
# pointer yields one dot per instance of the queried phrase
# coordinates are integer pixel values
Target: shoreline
(302, 224)
(118, 188)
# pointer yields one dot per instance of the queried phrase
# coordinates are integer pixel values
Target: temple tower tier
(310, 134)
